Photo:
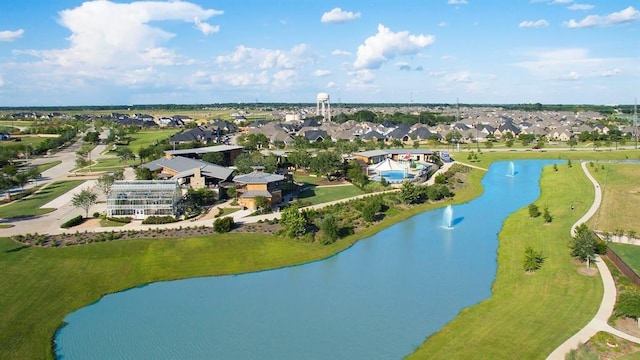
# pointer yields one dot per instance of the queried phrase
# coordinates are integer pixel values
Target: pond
(377, 300)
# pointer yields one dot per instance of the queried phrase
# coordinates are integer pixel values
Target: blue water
(377, 300)
(394, 176)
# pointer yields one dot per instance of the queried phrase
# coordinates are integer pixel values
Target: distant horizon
(78, 52)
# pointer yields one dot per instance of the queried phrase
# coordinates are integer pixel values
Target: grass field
(145, 138)
(528, 315)
(27, 141)
(62, 280)
(30, 206)
(319, 195)
(621, 196)
(630, 254)
(49, 165)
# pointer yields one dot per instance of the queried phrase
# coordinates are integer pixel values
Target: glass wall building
(141, 198)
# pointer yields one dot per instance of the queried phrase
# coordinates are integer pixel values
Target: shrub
(154, 220)
(223, 225)
(532, 259)
(534, 211)
(122, 220)
(73, 222)
(547, 216)
(96, 215)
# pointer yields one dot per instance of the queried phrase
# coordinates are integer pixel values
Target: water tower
(323, 106)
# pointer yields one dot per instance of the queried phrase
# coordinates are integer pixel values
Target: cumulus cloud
(386, 45)
(321, 73)
(628, 15)
(419, 68)
(340, 53)
(206, 29)
(533, 24)
(8, 35)
(117, 41)
(580, 7)
(338, 16)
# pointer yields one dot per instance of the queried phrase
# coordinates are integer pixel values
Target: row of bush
(73, 222)
(155, 220)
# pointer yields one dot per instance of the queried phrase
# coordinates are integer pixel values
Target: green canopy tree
(583, 245)
(84, 200)
(294, 222)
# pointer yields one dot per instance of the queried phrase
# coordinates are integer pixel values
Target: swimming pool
(394, 176)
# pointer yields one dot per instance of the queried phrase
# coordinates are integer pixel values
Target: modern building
(197, 173)
(141, 198)
(228, 152)
(259, 183)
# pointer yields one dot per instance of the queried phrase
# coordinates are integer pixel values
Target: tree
(105, 181)
(416, 144)
(547, 216)
(329, 229)
(214, 158)
(34, 174)
(488, 144)
(583, 244)
(223, 225)
(21, 179)
(532, 259)
(92, 137)
(84, 200)
(356, 175)
(326, 163)
(300, 158)
(572, 143)
(409, 192)
(294, 222)
(509, 142)
(125, 154)
(534, 211)
(143, 173)
(628, 304)
(261, 203)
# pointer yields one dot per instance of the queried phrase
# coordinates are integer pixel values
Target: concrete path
(599, 321)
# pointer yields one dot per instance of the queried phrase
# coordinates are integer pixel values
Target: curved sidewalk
(599, 321)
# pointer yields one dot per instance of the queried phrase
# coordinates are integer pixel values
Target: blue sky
(67, 52)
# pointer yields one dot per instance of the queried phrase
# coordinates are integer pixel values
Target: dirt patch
(628, 325)
(609, 346)
(591, 271)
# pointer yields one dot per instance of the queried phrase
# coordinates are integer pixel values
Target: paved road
(599, 321)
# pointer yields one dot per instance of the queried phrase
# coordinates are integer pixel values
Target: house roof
(258, 177)
(185, 167)
(203, 150)
(254, 193)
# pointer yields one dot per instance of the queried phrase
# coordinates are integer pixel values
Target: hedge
(73, 222)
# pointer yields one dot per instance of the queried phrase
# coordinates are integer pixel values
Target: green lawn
(318, 195)
(629, 253)
(30, 206)
(528, 315)
(145, 138)
(621, 196)
(30, 141)
(49, 165)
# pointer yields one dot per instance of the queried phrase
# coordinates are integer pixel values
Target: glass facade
(142, 198)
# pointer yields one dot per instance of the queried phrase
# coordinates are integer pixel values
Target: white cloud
(442, 24)
(571, 76)
(331, 85)
(1, 81)
(338, 16)
(628, 15)
(267, 58)
(340, 53)
(457, 2)
(610, 73)
(117, 52)
(534, 24)
(386, 45)
(580, 7)
(206, 29)
(321, 73)
(284, 78)
(7, 35)
(562, 2)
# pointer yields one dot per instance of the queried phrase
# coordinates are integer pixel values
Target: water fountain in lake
(447, 218)
(511, 172)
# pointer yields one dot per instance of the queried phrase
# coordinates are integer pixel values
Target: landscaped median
(30, 206)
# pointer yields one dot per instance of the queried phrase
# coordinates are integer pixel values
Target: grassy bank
(528, 315)
(41, 286)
